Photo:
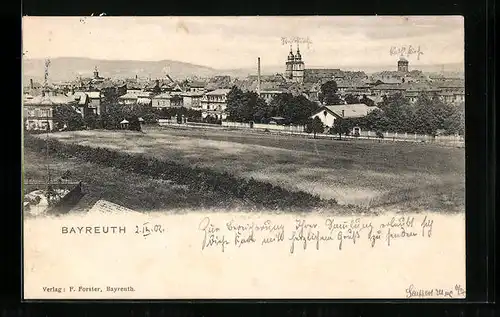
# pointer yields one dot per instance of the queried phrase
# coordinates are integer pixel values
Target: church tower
(290, 65)
(96, 72)
(298, 73)
(403, 65)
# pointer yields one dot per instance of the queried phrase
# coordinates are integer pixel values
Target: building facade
(214, 104)
(192, 100)
(166, 100)
(38, 112)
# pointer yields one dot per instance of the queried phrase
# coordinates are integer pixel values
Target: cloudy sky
(235, 42)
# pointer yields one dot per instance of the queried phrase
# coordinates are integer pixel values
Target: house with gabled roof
(329, 114)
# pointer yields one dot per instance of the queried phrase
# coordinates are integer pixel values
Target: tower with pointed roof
(294, 66)
(298, 72)
(289, 65)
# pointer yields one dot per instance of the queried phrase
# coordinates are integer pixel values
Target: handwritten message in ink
(304, 235)
(406, 51)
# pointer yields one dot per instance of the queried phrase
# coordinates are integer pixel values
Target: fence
(447, 140)
(414, 137)
(263, 126)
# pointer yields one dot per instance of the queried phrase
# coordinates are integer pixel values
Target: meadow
(396, 176)
(135, 191)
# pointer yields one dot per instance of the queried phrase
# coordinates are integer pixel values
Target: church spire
(298, 57)
(290, 55)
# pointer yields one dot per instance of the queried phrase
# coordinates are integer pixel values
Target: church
(297, 73)
(294, 67)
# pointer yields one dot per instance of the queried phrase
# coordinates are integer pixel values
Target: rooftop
(351, 111)
(218, 92)
(53, 100)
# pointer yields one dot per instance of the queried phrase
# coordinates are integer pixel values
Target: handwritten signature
(454, 292)
(406, 51)
(296, 39)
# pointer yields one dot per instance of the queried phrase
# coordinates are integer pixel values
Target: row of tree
(248, 106)
(67, 118)
(428, 115)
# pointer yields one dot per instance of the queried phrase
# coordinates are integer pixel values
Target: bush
(379, 134)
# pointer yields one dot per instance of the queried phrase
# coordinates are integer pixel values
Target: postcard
(297, 157)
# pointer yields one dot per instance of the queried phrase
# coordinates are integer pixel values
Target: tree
(314, 126)
(150, 117)
(295, 109)
(328, 93)
(134, 123)
(341, 126)
(66, 116)
(113, 116)
(375, 120)
(430, 114)
(351, 99)
(300, 109)
(236, 104)
(110, 96)
(262, 111)
(455, 123)
(91, 120)
(280, 104)
(399, 113)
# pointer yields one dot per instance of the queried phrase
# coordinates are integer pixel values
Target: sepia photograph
(243, 157)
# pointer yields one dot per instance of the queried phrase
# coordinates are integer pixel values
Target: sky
(236, 42)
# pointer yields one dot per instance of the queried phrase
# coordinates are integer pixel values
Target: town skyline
(214, 41)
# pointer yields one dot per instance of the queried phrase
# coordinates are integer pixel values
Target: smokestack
(31, 83)
(258, 76)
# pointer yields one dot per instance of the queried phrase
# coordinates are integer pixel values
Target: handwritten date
(147, 229)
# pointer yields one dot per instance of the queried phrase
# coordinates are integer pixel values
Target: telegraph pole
(46, 97)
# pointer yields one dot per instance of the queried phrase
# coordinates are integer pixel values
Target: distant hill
(70, 68)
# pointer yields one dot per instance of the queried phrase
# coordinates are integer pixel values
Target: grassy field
(365, 173)
(127, 189)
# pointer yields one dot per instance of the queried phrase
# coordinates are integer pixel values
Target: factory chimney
(258, 76)
(31, 83)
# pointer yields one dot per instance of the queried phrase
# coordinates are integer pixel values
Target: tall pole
(45, 91)
(258, 76)
(47, 151)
